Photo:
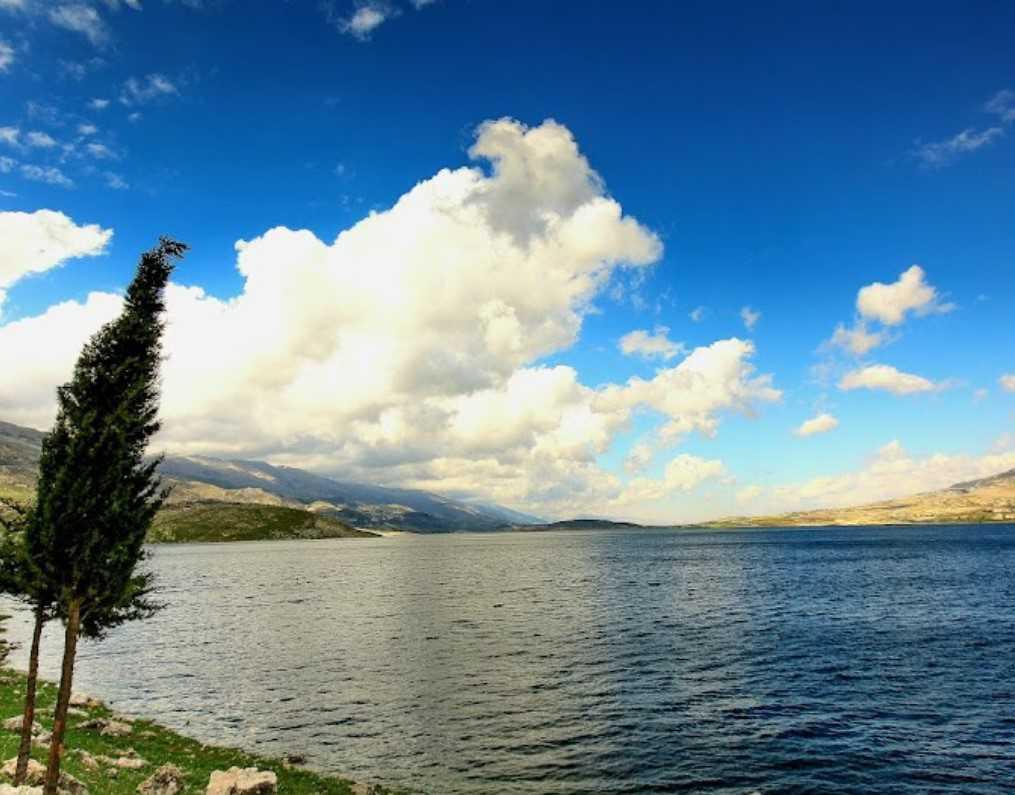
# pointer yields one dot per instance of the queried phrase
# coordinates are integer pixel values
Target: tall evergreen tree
(21, 578)
(97, 492)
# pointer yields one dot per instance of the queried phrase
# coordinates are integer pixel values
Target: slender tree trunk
(28, 717)
(70, 648)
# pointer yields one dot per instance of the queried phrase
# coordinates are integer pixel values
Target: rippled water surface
(777, 661)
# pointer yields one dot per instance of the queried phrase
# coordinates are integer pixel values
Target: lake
(826, 660)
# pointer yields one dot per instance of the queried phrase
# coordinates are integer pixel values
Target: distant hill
(197, 479)
(580, 524)
(184, 522)
(990, 499)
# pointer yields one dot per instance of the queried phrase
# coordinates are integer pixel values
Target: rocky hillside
(213, 480)
(987, 500)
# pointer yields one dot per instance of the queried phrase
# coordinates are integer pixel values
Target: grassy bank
(152, 743)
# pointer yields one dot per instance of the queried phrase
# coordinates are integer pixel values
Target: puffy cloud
(750, 317)
(886, 377)
(40, 346)
(698, 314)
(87, 129)
(892, 472)
(83, 19)
(364, 20)
(889, 303)
(1007, 382)
(98, 103)
(36, 242)
(405, 350)
(151, 87)
(655, 345)
(690, 396)
(10, 136)
(858, 340)
(683, 473)
(940, 153)
(822, 423)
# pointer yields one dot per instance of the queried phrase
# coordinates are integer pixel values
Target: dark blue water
(876, 660)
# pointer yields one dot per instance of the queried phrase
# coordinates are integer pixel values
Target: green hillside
(220, 521)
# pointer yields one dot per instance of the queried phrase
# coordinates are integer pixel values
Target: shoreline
(115, 761)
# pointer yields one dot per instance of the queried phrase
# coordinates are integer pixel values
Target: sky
(651, 261)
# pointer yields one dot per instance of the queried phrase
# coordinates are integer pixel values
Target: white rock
(242, 781)
(36, 770)
(36, 775)
(80, 700)
(14, 725)
(167, 780)
(7, 789)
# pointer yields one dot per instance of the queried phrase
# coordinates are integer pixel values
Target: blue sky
(784, 157)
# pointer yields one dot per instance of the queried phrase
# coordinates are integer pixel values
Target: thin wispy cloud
(147, 89)
(750, 317)
(40, 140)
(100, 151)
(941, 153)
(6, 55)
(50, 175)
(1002, 104)
(936, 154)
(98, 103)
(82, 19)
(367, 16)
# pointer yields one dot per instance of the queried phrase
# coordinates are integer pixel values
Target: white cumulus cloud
(406, 349)
(651, 345)
(36, 242)
(890, 303)
(822, 423)
(887, 378)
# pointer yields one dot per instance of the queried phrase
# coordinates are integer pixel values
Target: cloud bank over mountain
(409, 349)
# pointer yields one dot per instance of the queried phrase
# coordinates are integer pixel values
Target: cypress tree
(21, 578)
(98, 493)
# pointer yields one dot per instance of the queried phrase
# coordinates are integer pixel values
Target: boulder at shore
(242, 781)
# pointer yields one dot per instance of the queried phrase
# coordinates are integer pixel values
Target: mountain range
(204, 481)
(219, 499)
(990, 499)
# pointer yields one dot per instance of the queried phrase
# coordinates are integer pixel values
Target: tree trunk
(70, 648)
(28, 717)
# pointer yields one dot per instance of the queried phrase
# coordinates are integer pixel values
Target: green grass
(152, 743)
(220, 521)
